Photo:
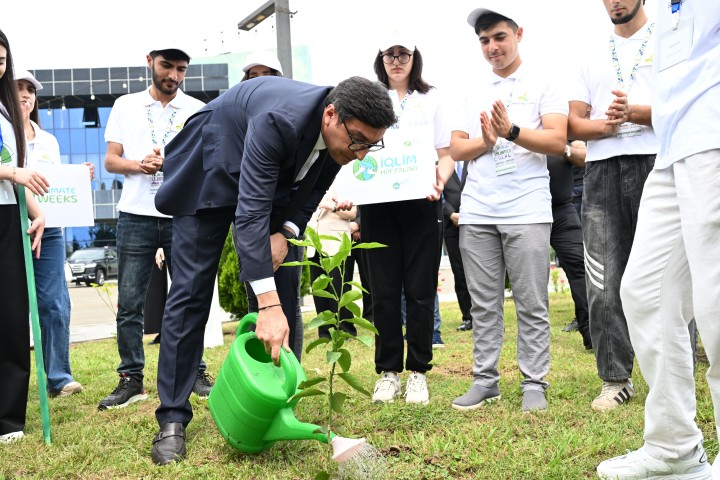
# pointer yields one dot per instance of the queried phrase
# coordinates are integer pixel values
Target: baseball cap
(503, 9)
(183, 51)
(26, 75)
(397, 37)
(262, 58)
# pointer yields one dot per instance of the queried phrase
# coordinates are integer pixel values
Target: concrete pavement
(93, 316)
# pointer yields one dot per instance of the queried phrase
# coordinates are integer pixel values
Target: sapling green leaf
(362, 323)
(345, 360)
(333, 357)
(353, 382)
(309, 392)
(311, 382)
(337, 401)
(349, 297)
(365, 339)
(315, 343)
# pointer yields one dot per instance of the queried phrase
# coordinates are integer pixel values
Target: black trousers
(412, 231)
(361, 260)
(452, 245)
(566, 238)
(322, 303)
(197, 244)
(15, 338)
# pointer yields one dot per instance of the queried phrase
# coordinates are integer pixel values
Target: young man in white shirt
(505, 215)
(615, 85)
(673, 273)
(139, 127)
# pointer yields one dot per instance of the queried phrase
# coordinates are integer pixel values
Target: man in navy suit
(260, 156)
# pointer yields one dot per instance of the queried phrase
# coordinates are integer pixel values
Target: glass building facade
(75, 105)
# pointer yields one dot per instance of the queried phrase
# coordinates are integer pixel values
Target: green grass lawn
(435, 441)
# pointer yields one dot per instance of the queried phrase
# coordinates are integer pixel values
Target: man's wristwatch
(288, 234)
(514, 132)
(568, 152)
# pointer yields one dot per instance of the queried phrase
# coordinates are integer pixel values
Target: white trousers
(672, 275)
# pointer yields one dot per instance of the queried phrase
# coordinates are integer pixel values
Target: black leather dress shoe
(169, 444)
(465, 326)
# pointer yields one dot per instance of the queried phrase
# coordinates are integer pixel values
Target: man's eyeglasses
(356, 146)
(402, 59)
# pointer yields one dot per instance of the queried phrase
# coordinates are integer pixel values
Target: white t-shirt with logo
(520, 194)
(140, 123)
(43, 149)
(598, 76)
(419, 109)
(8, 158)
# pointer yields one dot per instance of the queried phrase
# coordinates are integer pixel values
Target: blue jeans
(436, 320)
(611, 199)
(53, 301)
(138, 238)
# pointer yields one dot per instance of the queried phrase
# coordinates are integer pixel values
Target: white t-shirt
(8, 158)
(686, 104)
(140, 123)
(521, 196)
(598, 77)
(419, 109)
(43, 149)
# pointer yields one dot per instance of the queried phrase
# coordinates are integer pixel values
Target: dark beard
(163, 87)
(625, 19)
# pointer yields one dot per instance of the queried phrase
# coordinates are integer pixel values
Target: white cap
(25, 75)
(503, 8)
(399, 38)
(262, 58)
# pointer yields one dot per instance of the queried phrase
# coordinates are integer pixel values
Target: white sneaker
(387, 388)
(70, 389)
(639, 464)
(416, 390)
(11, 437)
(612, 395)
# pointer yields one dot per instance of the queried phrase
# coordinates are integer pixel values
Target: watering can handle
(290, 385)
(248, 321)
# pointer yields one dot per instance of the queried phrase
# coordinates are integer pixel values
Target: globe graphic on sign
(365, 169)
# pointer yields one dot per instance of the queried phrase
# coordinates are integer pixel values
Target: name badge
(504, 157)
(629, 129)
(155, 181)
(675, 45)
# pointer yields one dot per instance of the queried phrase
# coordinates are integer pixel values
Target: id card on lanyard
(629, 129)
(675, 44)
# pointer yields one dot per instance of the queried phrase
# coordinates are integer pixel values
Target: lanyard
(168, 126)
(616, 61)
(675, 6)
(402, 109)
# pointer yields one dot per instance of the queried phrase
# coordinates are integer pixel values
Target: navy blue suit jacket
(244, 149)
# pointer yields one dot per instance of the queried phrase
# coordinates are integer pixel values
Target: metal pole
(284, 44)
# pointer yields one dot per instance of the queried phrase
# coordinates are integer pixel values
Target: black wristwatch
(288, 234)
(514, 132)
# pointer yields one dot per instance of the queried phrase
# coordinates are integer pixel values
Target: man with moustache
(260, 158)
(139, 127)
(615, 85)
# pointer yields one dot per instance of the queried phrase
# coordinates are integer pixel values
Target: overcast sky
(341, 35)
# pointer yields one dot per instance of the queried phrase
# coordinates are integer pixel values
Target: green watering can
(249, 401)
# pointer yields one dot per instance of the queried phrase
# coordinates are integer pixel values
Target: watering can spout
(286, 427)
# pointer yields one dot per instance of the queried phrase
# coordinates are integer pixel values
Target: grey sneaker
(387, 388)
(639, 464)
(476, 397)
(533, 400)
